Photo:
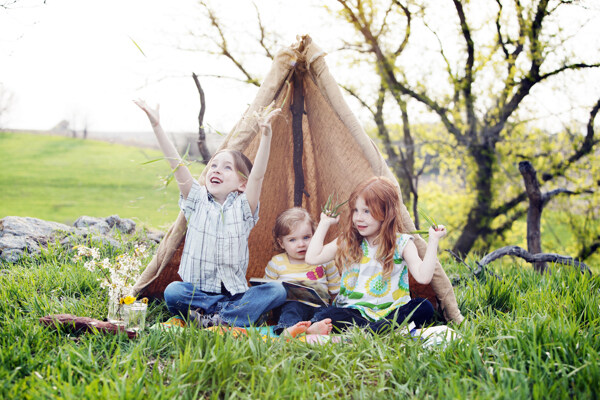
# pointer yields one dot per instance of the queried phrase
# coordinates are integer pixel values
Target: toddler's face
(296, 242)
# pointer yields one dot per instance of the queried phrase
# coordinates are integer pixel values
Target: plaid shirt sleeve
(195, 199)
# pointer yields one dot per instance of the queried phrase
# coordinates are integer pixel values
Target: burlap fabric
(337, 155)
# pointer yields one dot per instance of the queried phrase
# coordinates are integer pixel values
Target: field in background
(56, 178)
(60, 179)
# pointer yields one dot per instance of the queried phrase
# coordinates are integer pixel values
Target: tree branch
(480, 268)
(224, 47)
(467, 81)
(202, 148)
(587, 251)
(407, 13)
(533, 258)
(387, 70)
(586, 146)
(262, 30)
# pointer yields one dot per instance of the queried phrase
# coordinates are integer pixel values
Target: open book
(303, 291)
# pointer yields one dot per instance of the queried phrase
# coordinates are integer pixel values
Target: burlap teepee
(318, 148)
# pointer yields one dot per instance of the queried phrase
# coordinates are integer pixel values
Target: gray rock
(108, 241)
(21, 243)
(20, 236)
(97, 225)
(12, 255)
(155, 236)
(26, 226)
(122, 224)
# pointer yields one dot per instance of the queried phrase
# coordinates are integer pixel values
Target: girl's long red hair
(382, 197)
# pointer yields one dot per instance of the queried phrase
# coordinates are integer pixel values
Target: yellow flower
(128, 299)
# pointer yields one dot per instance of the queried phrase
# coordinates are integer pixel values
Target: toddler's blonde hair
(287, 221)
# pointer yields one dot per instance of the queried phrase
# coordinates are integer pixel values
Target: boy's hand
(152, 114)
(264, 122)
(437, 232)
(326, 219)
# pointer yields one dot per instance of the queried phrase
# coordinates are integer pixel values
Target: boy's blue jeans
(241, 309)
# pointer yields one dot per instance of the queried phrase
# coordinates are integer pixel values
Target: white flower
(106, 263)
(90, 266)
(95, 253)
(120, 274)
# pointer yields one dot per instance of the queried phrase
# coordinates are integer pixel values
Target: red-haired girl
(375, 257)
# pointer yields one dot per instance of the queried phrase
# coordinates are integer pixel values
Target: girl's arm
(182, 173)
(317, 253)
(259, 168)
(422, 270)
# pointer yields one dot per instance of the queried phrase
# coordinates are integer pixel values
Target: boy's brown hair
(242, 164)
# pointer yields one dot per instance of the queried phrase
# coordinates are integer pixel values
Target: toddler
(292, 233)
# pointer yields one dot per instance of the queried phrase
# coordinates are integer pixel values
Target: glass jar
(115, 312)
(135, 316)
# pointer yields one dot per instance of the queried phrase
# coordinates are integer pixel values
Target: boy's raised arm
(259, 168)
(182, 174)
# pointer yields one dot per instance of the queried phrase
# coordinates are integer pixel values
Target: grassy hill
(60, 179)
(526, 335)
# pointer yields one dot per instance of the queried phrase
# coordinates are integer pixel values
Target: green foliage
(60, 179)
(525, 336)
(568, 222)
(480, 80)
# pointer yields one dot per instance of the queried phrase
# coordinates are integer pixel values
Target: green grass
(526, 336)
(60, 179)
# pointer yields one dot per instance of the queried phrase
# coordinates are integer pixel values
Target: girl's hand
(437, 232)
(326, 219)
(152, 114)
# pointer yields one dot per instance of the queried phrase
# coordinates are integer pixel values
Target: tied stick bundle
(330, 208)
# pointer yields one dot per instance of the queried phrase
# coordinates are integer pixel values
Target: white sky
(75, 60)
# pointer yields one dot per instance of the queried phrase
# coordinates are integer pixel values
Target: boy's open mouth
(215, 180)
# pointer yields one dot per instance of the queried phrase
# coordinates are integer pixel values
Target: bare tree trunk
(479, 217)
(534, 213)
(202, 148)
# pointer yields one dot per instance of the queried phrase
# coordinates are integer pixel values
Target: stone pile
(20, 236)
